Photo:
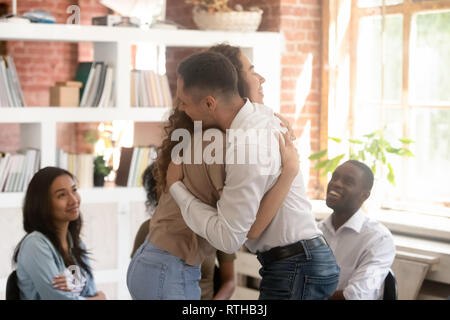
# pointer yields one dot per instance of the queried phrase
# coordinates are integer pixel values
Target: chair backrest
(390, 287)
(12, 289)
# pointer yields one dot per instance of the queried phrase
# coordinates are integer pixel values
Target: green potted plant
(101, 170)
(373, 149)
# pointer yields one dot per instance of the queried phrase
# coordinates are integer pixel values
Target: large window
(399, 81)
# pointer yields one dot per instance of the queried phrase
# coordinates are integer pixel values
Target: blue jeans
(312, 275)
(154, 274)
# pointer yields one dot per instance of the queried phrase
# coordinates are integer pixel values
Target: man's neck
(236, 105)
(339, 218)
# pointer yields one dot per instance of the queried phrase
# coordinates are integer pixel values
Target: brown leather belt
(290, 250)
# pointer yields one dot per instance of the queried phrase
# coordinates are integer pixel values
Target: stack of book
(80, 165)
(10, 91)
(98, 84)
(16, 170)
(133, 162)
(149, 89)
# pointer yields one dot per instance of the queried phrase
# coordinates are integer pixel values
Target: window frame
(407, 9)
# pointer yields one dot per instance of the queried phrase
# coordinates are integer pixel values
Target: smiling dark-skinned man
(363, 248)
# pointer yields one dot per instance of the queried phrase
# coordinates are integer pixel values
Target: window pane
(428, 170)
(377, 3)
(430, 58)
(370, 64)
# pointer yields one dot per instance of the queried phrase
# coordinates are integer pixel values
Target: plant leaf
(405, 153)
(370, 135)
(405, 140)
(321, 164)
(355, 141)
(332, 165)
(393, 150)
(390, 176)
(374, 167)
(318, 155)
(335, 139)
(361, 156)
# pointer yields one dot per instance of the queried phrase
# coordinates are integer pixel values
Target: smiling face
(346, 190)
(253, 80)
(65, 199)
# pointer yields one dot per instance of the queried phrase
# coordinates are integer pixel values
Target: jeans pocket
(276, 284)
(146, 279)
(319, 288)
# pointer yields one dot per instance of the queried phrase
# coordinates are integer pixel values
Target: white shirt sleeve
(226, 227)
(368, 278)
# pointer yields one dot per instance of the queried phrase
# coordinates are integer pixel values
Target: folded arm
(39, 263)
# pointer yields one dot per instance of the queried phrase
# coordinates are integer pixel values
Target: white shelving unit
(113, 45)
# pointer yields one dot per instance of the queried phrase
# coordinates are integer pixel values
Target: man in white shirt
(296, 261)
(364, 248)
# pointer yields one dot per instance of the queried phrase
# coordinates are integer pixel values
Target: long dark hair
(37, 216)
(178, 119)
(149, 183)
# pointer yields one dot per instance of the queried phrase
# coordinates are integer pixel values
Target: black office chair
(12, 289)
(390, 287)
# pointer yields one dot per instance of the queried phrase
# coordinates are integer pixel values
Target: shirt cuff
(181, 195)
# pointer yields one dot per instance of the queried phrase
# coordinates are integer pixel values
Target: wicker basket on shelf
(245, 21)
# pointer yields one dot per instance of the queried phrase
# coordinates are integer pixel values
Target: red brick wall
(40, 64)
(300, 22)
(9, 137)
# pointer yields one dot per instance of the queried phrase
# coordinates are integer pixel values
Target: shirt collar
(355, 222)
(240, 117)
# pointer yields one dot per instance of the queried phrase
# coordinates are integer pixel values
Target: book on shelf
(149, 89)
(82, 74)
(80, 165)
(107, 89)
(16, 170)
(146, 96)
(154, 90)
(11, 94)
(133, 162)
(124, 166)
(98, 88)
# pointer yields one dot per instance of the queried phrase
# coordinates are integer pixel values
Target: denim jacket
(38, 263)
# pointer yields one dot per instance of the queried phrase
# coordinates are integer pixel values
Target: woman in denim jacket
(52, 262)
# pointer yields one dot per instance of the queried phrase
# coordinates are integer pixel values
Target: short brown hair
(209, 71)
(234, 55)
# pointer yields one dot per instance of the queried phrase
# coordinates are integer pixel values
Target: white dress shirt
(364, 250)
(227, 226)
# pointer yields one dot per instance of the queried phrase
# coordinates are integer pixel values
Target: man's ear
(210, 103)
(365, 195)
